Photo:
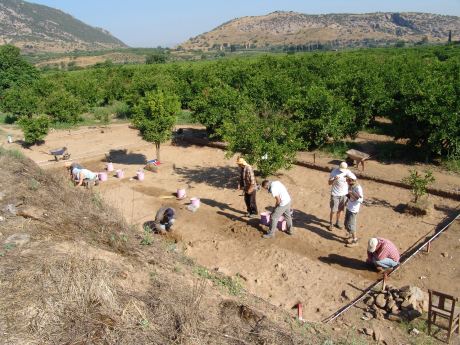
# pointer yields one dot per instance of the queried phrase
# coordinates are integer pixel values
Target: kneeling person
(382, 253)
(165, 219)
(87, 176)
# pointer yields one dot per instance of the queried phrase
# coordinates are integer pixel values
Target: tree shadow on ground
(185, 137)
(309, 222)
(219, 177)
(123, 157)
(220, 205)
(344, 261)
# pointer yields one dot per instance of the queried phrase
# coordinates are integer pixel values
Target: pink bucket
(265, 220)
(195, 202)
(109, 167)
(180, 193)
(140, 175)
(103, 176)
(120, 173)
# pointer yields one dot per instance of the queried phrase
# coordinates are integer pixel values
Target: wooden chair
(443, 305)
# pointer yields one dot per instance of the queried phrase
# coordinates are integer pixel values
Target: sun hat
(372, 245)
(241, 161)
(343, 167)
(350, 175)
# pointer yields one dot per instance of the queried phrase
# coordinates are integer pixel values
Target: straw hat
(372, 245)
(343, 167)
(241, 161)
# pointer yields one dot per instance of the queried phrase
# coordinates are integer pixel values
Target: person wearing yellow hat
(248, 184)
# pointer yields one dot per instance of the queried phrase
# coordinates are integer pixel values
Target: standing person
(164, 219)
(355, 198)
(282, 206)
(339, 191)
(248, 184)
(382, 253)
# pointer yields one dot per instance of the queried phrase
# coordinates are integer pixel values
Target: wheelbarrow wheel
(66, 156)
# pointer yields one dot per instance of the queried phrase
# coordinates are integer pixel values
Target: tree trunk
(157, 146)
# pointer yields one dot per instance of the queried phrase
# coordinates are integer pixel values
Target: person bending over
(164, 219)
(382, 253)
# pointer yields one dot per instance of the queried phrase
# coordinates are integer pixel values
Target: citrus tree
(155, 115)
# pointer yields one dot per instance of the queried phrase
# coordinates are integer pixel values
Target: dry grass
(84, 278)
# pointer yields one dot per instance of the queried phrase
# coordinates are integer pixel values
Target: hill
(333, 30)
(34, 27)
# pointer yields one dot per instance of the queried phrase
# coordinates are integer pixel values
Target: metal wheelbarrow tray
(60, 153)
(357, 156)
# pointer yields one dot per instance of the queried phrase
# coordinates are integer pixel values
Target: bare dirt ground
(312, 267)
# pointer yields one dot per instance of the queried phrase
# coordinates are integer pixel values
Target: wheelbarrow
(60, 153)
(357, 157)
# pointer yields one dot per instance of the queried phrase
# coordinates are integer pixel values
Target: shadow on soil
(309, 222)
(221, 206)
(344, 261)
(123, 157)
(219, 177)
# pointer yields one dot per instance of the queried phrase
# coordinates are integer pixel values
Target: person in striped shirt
(248, 183)
(382, 253)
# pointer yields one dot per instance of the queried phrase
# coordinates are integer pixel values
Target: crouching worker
(73, 169)
(382, 253)
(86, 176)
(165, 219)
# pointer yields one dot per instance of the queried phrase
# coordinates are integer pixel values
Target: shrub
(418, 182)
(35, 128)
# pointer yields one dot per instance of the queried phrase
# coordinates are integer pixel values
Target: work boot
(330, 227)
(338, 226)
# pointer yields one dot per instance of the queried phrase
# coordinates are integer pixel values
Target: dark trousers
(250, 201)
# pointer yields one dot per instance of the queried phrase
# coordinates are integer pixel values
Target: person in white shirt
(355, 199)
(339, 191)
(282, 206)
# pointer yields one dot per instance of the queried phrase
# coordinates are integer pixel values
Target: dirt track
(313, 266)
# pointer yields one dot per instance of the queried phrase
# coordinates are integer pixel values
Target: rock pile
(408, 303)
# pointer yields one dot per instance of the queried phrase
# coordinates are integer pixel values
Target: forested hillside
(269, 106)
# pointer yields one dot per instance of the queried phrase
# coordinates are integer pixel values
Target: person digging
(248, 184)
(339, 191)
(382, 254)
(282, 206)
(164, 219)
(355, 199)
(86, 176)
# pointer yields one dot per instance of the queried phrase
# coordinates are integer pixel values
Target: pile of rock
(408, 303)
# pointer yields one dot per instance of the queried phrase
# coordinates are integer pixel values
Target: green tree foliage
(155, 116)
(20, 101)
(35, 128)
(321, 116)
(269, 143)
(14, 70)
(214, 105)
(63, 106)
(418, 183)
(155, 58)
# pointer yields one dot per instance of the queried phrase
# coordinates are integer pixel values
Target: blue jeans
(385, 263)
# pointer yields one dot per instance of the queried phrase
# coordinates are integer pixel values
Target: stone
(407, 305)
(380, 301)
(394, 317)
(10, 208)
(368, 315)
(445, 254)
(414, 332)
(391, 304)
(368, 331)
(17, 240)
(369, 300)
(2, 219)
(378, 314)
(31, 212)
(395, 309)
(412, 314)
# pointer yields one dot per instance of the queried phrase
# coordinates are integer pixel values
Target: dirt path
(313, 266)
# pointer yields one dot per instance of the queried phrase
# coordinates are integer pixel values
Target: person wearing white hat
(249, 185)
(339, 191)
(382, 253)
(355, 198)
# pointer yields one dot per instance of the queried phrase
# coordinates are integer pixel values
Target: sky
(152, 23)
